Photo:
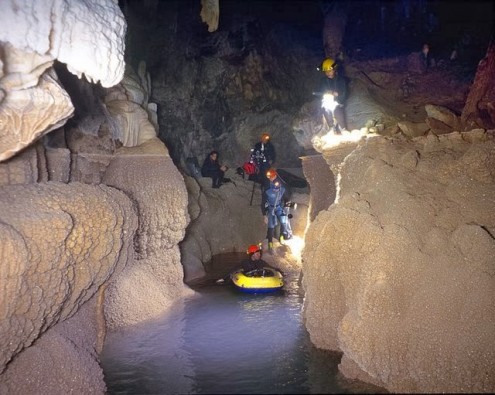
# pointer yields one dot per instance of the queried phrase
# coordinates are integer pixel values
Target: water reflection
(149, 359)
(248, 344)
(225, 342)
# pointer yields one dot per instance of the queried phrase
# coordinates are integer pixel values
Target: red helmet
(249, 168)
(253, 248)
(271, 174)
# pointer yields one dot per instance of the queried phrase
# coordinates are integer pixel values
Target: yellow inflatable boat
(258, 281)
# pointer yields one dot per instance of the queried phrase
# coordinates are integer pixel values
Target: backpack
(249, 168)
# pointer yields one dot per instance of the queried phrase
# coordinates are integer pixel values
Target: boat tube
(258, 281)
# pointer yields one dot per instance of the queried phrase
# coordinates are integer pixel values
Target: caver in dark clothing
(252, 263)
(335, 83)
(249, 264)
(211, 168)
(262, 156)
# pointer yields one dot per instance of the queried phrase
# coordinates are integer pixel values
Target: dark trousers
(339, 116)
(216, 177)
(337, 119)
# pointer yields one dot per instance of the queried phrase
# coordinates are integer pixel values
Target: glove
(265, 220)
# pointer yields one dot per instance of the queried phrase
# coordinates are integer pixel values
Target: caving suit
(262, 156)
(337, 84)
(274, 199)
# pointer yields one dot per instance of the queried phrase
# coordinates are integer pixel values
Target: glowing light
(332, 140)
(296, 245)
(328, 102)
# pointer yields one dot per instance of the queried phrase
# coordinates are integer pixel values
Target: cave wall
(92, 172)
(398, 274)
(223, 89)
(85, 247)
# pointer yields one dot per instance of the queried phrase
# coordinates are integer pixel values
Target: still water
(225, 342)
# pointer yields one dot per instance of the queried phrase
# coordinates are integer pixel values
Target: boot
(270, 247)
(216, 182)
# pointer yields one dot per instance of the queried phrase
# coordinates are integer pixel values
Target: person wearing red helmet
(273, 202)
(251, 263)
(254, 261)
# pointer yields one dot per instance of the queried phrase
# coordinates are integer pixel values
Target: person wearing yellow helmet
(335, 84)
(328, 64)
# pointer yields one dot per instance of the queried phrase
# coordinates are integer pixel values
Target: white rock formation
(150, 285)
(128, 103)
(27, 114)
(210, 13)
(86, 35)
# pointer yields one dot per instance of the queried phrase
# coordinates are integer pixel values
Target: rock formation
(129, 106)
(148, 287)
(399, 274)
(86, 36)
(77, 259)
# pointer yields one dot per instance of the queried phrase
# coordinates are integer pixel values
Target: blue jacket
(275, 196)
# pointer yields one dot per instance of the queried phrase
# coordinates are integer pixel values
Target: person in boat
(250, 264)
(253, 261)
(272, 206)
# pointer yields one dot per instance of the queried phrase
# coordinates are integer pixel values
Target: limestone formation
(62, 361)
(85, 35)
(128, 103)
(149, 286)
(60, 243)
(88, 36)
(26, 114)
(399, 274)
(210, 13)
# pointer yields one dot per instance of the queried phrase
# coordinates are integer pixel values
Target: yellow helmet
(328, 64)
(265, 137)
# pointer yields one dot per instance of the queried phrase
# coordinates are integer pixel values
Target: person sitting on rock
(212, 168)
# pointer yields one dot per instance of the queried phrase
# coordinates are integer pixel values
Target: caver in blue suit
(274, 199)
